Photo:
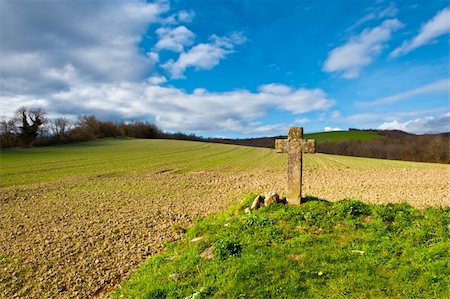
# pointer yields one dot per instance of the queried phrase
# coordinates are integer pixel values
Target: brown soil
(65, 239)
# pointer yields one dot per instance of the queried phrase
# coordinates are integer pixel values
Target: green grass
(319, 249)
(342, 135)
(121, 156)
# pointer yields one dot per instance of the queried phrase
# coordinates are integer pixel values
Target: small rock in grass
(271, 198)
(256, 202)
(196, 239)
(207, 254)
(173, 276)
(360, 252)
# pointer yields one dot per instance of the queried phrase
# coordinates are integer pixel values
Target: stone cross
(295, 146)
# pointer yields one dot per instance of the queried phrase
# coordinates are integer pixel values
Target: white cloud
(174, 109)
(157, 80)
(437, 26)
(279, 89)
(186, 16)
(428, 124)
(392, 120)
(440, 86)
(96, 41)
(330, 129)
(204, 56)
(360, 50)
(174, 39)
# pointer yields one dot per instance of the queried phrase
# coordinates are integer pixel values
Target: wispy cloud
(376, 14)
(302, 120)
(437, 26)
(440, 86)
(360, 50)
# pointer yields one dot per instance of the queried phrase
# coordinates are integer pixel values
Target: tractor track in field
(80, 236)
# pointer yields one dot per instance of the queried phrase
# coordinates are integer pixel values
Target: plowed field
(78, 219)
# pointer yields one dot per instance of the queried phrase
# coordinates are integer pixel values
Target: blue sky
(231, 68)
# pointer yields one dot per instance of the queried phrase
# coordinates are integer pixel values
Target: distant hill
(320, 137)
(384, 144)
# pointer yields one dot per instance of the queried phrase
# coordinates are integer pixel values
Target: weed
(225, 248)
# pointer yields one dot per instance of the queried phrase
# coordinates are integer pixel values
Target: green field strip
(115, 163)
(119, 164)
(342, 135)
(139, 155)
(162, 151)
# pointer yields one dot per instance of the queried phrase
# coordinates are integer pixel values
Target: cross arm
(309, 146)
(281, 145)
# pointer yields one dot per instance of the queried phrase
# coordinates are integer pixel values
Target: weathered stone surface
(256, 202)
(281, 145)
(271, 198)
(309, 146)
(294, 183)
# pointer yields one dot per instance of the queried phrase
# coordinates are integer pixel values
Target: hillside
(320, 137)
(393, 145)
(78, 218)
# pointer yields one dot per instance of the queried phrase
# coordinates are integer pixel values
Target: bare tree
(8, 127)
(60, 126)
(8, 133)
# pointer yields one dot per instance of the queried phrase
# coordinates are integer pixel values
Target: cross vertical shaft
(295, 157)
(295, 146)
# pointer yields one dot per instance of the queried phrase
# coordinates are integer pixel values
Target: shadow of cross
(295, 146)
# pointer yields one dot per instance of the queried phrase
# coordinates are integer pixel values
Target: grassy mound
(316, 250)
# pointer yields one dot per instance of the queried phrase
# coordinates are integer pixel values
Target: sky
(229, 68)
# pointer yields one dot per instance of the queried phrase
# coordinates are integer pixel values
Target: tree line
(420, 148)
(32, 127)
